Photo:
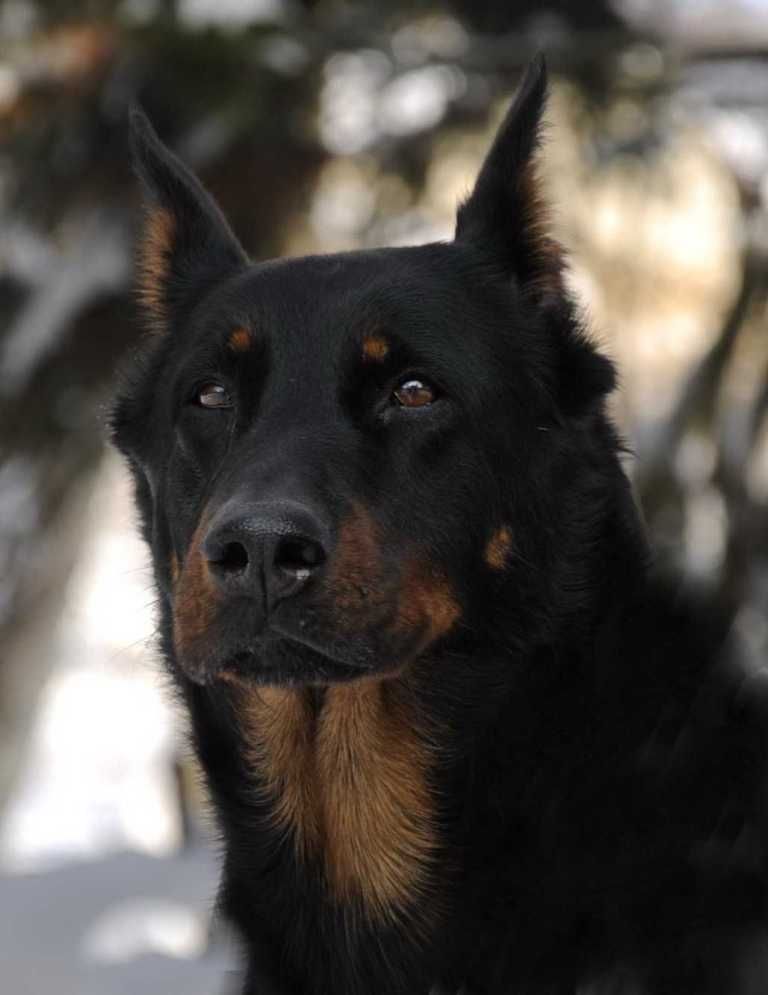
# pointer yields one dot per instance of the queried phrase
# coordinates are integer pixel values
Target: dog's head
(341, 460)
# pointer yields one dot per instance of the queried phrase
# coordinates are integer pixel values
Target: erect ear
(186, 245)
(505, 216)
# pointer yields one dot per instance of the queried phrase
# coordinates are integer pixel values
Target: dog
(457, 735)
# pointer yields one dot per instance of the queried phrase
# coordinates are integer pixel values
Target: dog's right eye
(414, 393)
(212, 395)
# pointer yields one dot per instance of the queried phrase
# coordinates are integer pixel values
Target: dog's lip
(324, 648)
(248, 667)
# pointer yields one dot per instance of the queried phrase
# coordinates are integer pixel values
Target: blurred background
(323, 125)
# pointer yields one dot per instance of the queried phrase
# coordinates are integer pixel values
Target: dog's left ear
(186, 245)
(505, 216)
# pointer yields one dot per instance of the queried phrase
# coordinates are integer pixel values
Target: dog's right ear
(186, 245)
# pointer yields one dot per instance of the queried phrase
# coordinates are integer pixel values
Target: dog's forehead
(320, 302)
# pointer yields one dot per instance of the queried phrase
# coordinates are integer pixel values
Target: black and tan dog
(455, 737)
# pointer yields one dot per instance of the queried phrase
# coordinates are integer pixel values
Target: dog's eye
(213, 395)
(414, 393)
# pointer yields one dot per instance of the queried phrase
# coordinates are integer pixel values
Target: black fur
(597, 761)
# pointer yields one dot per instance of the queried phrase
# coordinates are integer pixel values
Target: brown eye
(213, 395)
(414, 394)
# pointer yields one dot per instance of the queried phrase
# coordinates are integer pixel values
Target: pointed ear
(505, 216)
(186, 244)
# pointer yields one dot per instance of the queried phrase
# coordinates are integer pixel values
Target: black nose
(269, 550)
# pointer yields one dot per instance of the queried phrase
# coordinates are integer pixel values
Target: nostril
(298, 556)
(232, 558)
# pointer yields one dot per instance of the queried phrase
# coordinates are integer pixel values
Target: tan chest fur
(349, 781)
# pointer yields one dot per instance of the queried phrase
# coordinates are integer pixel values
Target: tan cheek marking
(375, 348)
(195, 597)
(154, 263)
(174, 569)
(427, 600)
(351, 581)
(498, 547)
(240, 340)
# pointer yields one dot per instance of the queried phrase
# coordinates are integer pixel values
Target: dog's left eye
(213, 395)
(413, 393)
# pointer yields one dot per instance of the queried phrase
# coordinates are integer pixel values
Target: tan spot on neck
(154, 263)
(498, 547)
(240, 340)
(350, 784)
(375, 348)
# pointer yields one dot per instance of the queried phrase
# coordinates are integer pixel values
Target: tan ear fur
(154, 264)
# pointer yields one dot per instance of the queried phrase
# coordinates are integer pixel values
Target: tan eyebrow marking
(375, 348)
(498, 548)
(240, 340)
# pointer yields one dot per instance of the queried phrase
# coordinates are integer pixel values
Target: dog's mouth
(285, 663)
(286, 653)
